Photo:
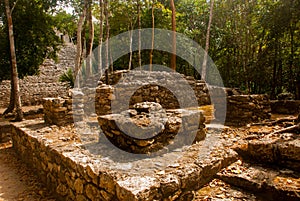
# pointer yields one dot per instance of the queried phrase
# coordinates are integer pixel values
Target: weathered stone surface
(243, 109)
(71, 178)
(169, 184)
(219, 190)
(60, 111)
(150, 128)
(143, 86)
(107, 182)
(81, 198)
(62, 189)
(138, 188)
(269, 183)
(279, 149)
(92, 192)
(78, 185)
(5, 130)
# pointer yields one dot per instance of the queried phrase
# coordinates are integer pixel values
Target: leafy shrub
(68, 77)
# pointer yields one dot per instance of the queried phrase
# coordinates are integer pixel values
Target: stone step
(267, 182)
(279, 149)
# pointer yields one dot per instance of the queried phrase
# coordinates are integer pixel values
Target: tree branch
(12, 9)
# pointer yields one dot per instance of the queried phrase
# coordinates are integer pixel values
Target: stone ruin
(76, 171)
(34, 88)
(148, 128)
(241, 108)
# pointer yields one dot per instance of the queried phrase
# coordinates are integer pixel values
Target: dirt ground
(17, 181)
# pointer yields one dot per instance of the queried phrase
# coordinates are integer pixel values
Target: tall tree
(107, 66)
(139, 33)
(173, 56)
(79, 49)
(90, 41)
(204, 65)
(100, 66)
(15, 100)
(152, 34)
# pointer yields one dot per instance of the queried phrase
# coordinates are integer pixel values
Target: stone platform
(73, 172)
(149, 128)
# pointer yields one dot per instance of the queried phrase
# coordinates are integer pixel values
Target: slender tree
(152, 36)
(139, 33)
(79, 49)
(204, 65)
(15, 89)
(130, 28)
(107, 67)
(100, 66)
(90, 41)
(173, 56)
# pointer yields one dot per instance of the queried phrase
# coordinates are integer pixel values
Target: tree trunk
(79, 51)
(15, 90)
(204, 65)
(100, 38)
(11, 105)
(130, 29)
(107, 70)
(152, 36)
(139, 34)
(173, 56)
(274, 76)
(89, 49)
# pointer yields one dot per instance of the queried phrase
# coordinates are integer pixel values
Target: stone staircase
(35, 88)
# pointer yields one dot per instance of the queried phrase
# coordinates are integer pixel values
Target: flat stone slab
(278, 149)
(73, 172)
(272, 184)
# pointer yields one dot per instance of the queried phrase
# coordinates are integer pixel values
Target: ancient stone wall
(243, 109)
(73, 173)
(34, 88)
(165, 88)
(62, 111)
(285, 106)
(169, 90)
(5, 131)
(148, 128)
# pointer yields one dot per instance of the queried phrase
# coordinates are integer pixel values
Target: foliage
(255, 44)
(65, 23)
(35, 38)
(68, 77)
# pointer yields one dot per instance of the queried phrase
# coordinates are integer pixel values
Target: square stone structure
(74, 173)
